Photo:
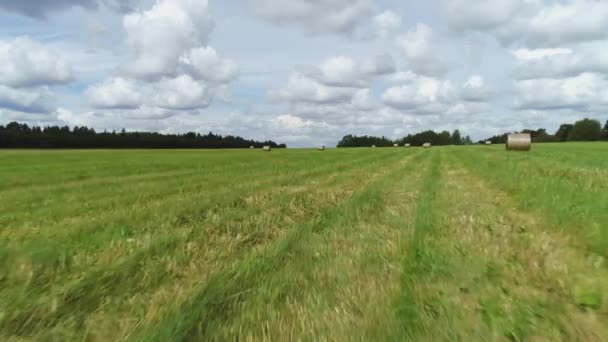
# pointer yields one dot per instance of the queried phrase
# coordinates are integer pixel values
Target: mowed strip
(226, 300)
(53, 201)
(574, 198)
(183, 252)
(340, 277)
(495, 272)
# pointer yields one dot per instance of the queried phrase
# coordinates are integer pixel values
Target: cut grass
(454, 243)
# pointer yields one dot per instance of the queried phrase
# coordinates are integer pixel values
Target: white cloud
(316, 16)
(204, 63)
(591, 58)
(181, 93)
(159, 37)
(26, 63)
(587, 91)
(527, 54)
(171, 68)
(475, 90)
(41, 8)
(535, 23)
(39, 100)
(422, 95)
(343, 71)
(115, 93)
(301, 88)
(420, 50)
(386, 23)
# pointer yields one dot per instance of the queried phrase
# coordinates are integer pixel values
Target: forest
(16, 135)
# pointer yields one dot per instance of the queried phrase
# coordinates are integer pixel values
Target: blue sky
(304, 72)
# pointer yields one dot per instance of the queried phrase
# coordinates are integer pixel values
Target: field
(453, 243)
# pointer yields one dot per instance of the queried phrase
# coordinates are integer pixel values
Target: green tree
(563, 132)
(456, 137)
(586, 130)
(605, 131)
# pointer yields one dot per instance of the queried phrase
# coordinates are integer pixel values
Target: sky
(304, 72)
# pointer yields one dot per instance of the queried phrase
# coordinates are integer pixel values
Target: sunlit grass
(454, 243)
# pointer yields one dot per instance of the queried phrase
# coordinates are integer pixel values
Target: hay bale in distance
(519, 142)
(252, 147)
(407, 145)
(321, 148)
(395, 145)
(266, 149)
(488, 142)
(373, 146)
(427, 145)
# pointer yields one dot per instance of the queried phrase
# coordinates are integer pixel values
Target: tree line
(418, 139)
(16, 135)
(582, 130)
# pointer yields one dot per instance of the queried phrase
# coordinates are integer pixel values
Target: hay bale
(407, 145)
(427, 145)
(252, 147)
(266, 149)
(373, 146)
(488, 142)
(395, 145)
(321, 148)
(519, 142)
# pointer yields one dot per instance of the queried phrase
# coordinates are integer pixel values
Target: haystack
(519, 142)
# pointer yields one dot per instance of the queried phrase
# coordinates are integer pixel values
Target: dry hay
(266, 149)
(395, 145)
(373, 146)
(519, 142)
(321, 148)
(488, 142)
(427, 145)
(407, 145)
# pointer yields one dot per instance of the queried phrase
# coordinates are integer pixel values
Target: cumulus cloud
(343, 71)
(26, 63)
(421, 51)
(41, 8)
(316, 16)
(116, 92)
(562, 62)
(535, 23)
(338, 80)
(159, 37)
(27, 101)
(301, 88)
(475, 90)
(171, 66)
(386, 23)
(422, 95)
(587, 91)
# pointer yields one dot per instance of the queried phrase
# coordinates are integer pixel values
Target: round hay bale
(488, 142)
(266, 149)
(395, 145)
(321, 148)
(427, 145)
(519, 142)
(407, 145)
(373, 146)
(252, 147)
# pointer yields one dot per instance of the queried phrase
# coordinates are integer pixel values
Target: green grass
(453, 243)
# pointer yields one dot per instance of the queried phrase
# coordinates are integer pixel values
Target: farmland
(450, 243)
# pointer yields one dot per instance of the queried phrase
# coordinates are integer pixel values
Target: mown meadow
(451, 243)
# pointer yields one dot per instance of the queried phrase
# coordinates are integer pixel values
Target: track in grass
(455, 243)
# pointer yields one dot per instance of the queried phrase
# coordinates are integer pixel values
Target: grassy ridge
(454, 243)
